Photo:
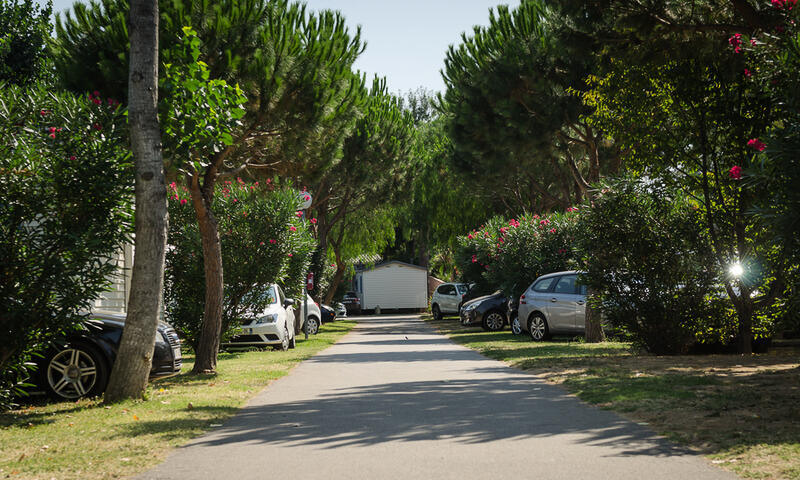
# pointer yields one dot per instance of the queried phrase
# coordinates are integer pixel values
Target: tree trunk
(337, 277)
(594, 325)
(208, 343)
(744, 312)
(132, 367)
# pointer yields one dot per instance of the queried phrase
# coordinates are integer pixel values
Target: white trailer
(393, 285)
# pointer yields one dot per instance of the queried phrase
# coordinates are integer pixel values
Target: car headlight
(272, 318)
(470, 307)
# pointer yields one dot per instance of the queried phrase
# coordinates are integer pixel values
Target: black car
(352, 303)
(79, 365)
(328, 314)
(488, 311)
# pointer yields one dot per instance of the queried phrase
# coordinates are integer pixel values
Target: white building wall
(116, 299)
(395, 286)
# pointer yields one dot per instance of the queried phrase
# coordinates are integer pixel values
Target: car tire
(493, 321)
(76, 371)
(312, 325)
(537, 326)
(436, 312)
(284, 345)
(516, 327)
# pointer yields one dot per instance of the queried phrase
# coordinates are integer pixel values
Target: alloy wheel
(72, 373)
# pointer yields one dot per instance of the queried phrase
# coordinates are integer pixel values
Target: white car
(341, 311)
(447, 298)
(273, 326)
(314, 316)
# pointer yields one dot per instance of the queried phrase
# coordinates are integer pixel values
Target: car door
(449, 299)
(563, 305)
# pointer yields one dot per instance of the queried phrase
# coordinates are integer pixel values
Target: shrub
(66, 185)
(263, 241)
(510, 254)
(647, 258)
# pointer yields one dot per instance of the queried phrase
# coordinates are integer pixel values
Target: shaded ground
(395, 400)
(743, 412)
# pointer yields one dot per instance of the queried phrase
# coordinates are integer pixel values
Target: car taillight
(317, 304)
(522, 300)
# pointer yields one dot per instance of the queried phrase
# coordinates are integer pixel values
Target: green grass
(742, 412)
(85, 439)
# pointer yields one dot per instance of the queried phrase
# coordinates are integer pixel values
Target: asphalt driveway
(395, 400)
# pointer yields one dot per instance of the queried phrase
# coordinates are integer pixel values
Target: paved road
(395, 400)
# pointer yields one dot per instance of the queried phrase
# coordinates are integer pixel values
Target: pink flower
(272, 241)
(299, 214)
(747, 73)
(261, 244)
(173, 186)
(306, 198)
(756, 144)
(735, 172)
(292, 228)
(313, 221)
(562, 251)
(474, 259)
(544, 222)
(43, 112)
(241, 182)
(552, 230)
(97, 126)
(175, 197)
(183, 201)
(96, 93)
(72, 158)
(290, 255)
(753, 42)
(235, 200)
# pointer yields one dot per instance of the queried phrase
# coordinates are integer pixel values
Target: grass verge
(743, 413)
(87, 440)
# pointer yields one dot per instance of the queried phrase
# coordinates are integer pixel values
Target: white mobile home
(393, 285)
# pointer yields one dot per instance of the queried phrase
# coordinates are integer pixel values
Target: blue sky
(406, 40)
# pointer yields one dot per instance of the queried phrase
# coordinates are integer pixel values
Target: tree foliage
(66, 182)
(263, 242)
(24, 31)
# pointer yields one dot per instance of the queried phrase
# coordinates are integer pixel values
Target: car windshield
(462, 289)
(269, 297)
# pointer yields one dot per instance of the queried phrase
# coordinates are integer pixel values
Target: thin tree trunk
(208, 343)
(132, 367)
(594, 326)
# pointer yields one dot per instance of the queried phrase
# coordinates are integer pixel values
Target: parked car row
(79, 364)
(553, 304)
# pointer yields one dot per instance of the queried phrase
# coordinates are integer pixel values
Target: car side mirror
(288, 303)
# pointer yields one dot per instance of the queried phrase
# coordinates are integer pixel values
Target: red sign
(310, 281)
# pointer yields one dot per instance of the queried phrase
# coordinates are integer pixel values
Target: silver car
(554, 304)
(447, 298)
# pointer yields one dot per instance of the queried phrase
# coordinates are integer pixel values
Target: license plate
(176, 352)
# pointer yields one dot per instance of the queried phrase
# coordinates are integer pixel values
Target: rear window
(543, 285)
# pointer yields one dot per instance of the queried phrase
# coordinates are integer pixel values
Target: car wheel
(537, 326)
(74, 372)
(285, 341)
(312, 326)
(516, 327)
(493, 321)
(437, 314)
